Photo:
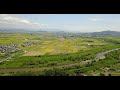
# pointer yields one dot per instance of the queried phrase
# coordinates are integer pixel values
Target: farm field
(45, 54)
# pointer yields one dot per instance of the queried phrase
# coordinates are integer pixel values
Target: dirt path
(98, 56)
(42, 68)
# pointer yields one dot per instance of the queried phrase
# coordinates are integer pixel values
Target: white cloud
(45, 25)
(13, 20)
(37, 24)
(51, 14)
(89, 28)
(25, 21)
(96, 19)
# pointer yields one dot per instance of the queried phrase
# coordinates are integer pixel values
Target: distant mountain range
(102, 33)
(106, 33)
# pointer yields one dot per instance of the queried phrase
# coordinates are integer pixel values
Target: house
(88, 44)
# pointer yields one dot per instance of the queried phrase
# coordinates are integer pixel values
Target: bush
(52, 64)
(55, 72)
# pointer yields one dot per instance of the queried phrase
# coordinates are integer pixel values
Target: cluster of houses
(8, 48)
(28, 44)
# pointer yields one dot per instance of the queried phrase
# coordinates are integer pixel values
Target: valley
(59, 54)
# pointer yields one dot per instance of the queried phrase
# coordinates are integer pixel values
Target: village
(8, 48)
(11, 48)
(28, 44)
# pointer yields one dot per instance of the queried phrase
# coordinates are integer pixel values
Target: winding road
(97, 58)
(102, 54)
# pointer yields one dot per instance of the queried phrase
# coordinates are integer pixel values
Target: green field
(59, 56)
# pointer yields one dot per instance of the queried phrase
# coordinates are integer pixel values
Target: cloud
(96, 19)
(26, 22)
(89, 28)
(14, 20)
(51, 14)
(45, 25)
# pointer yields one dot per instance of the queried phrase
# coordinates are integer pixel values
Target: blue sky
(66, 22)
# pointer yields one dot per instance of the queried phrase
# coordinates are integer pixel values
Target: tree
(109, 74)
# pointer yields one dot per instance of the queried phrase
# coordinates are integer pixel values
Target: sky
(64, 22)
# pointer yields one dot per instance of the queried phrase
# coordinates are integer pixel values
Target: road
(5, 59)
(98, 56)
(102, 54)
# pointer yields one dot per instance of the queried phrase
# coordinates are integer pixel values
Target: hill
(106, 33)
(60, 33)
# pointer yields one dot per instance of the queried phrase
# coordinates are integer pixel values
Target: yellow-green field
(47, 44)
(60, 46)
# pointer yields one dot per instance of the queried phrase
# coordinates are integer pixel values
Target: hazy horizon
(62, 22)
